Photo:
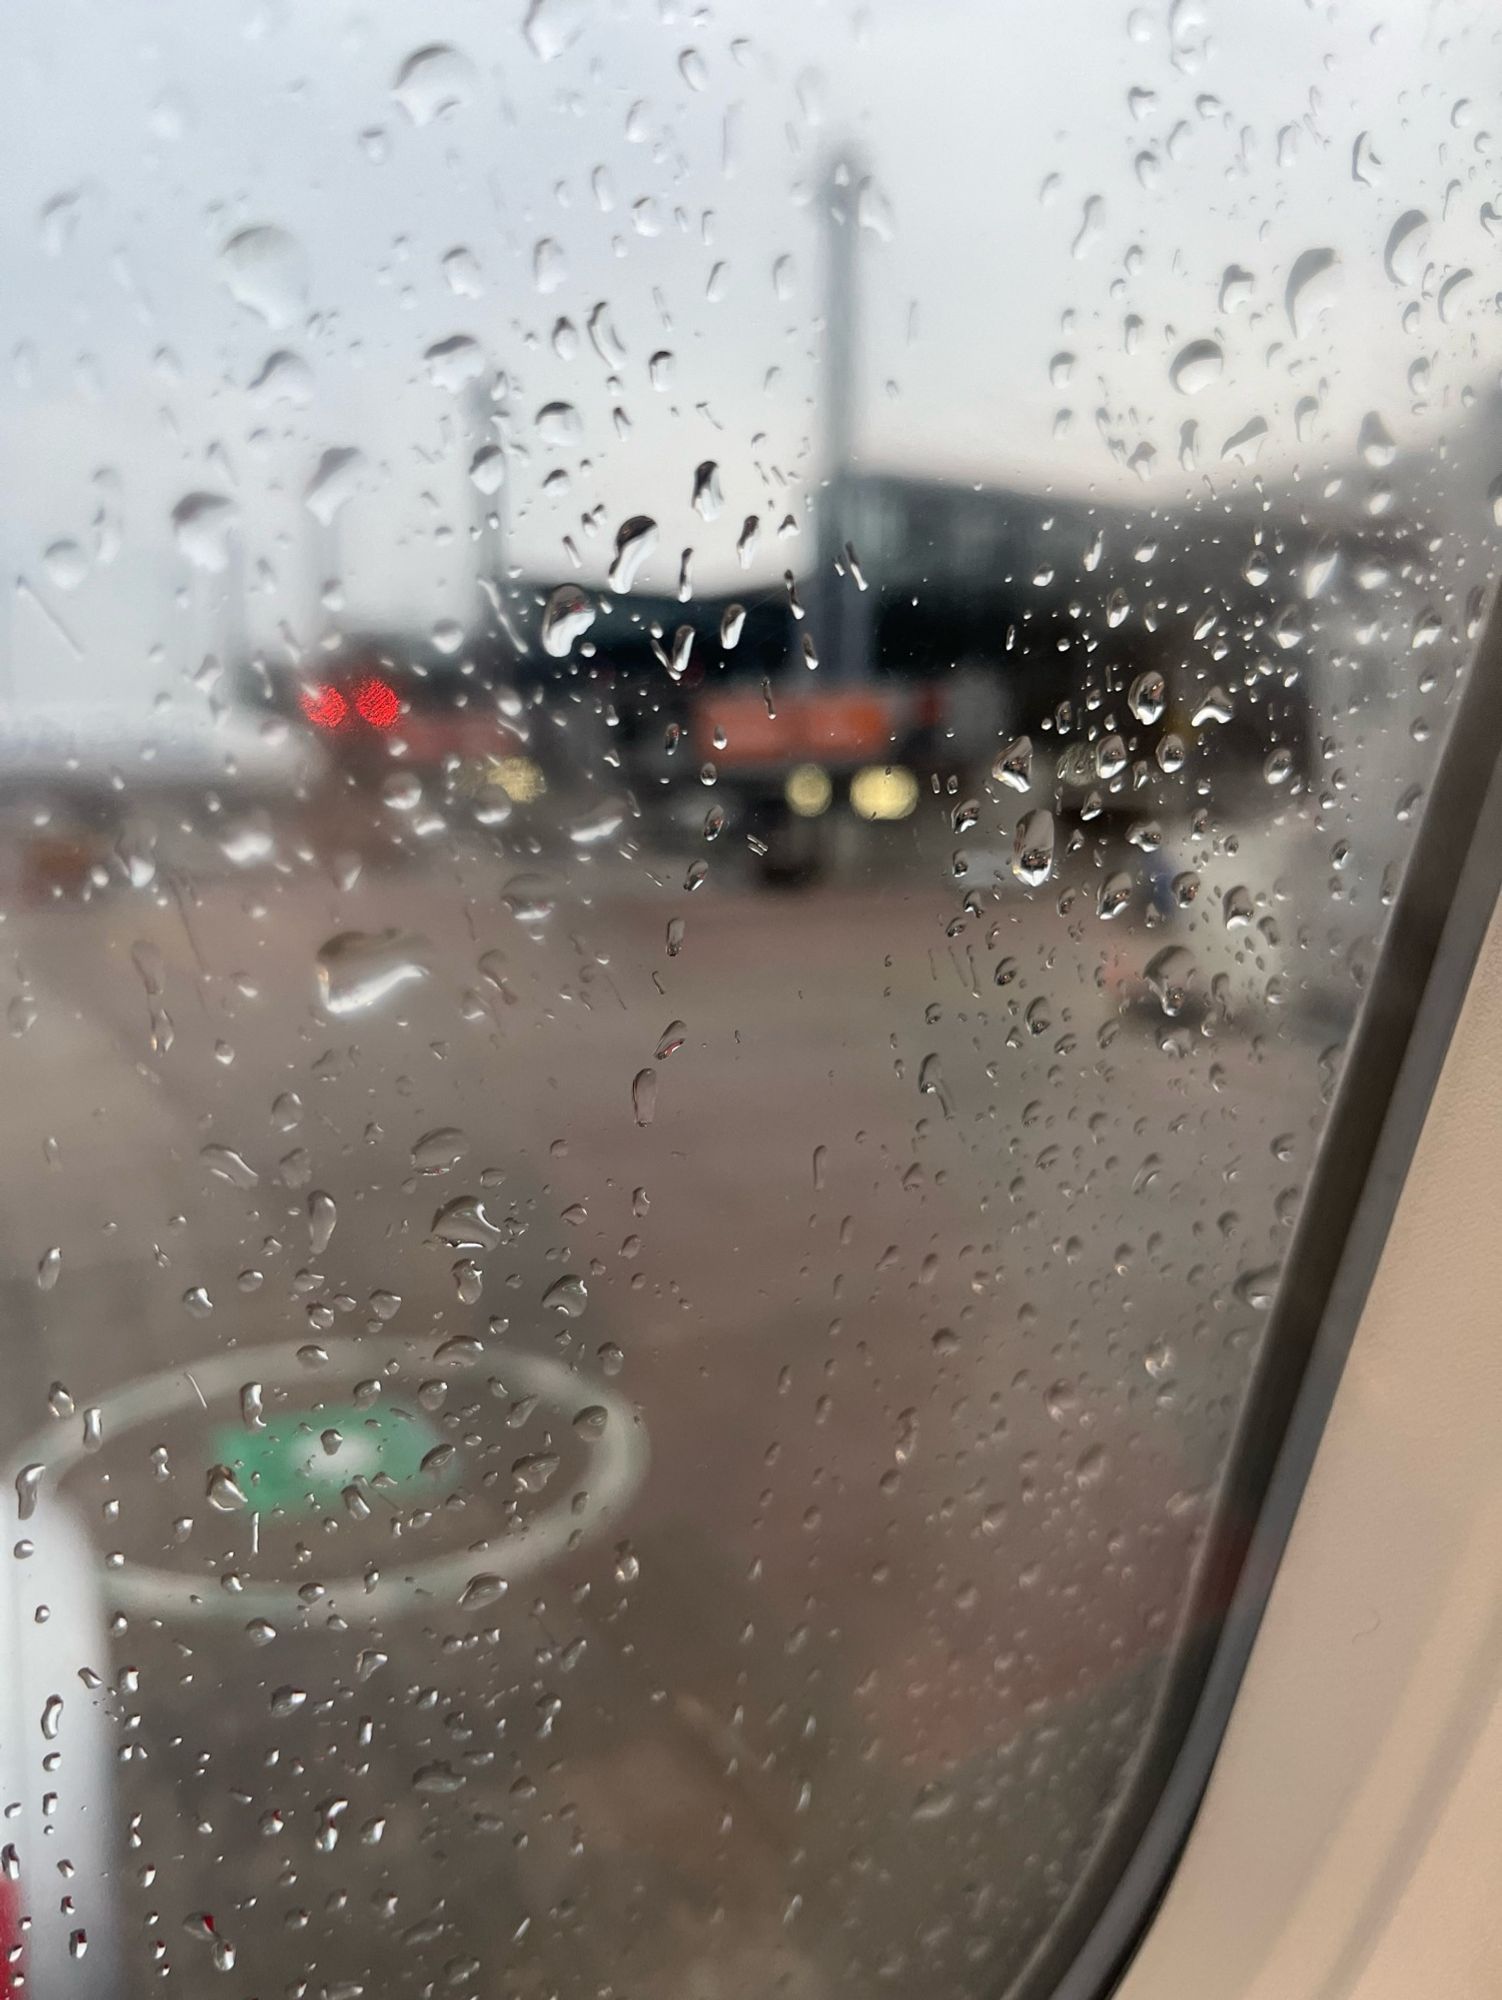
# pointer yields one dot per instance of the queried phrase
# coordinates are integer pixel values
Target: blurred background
(706, 715)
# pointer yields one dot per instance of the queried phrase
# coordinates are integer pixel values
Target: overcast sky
(1075, 178)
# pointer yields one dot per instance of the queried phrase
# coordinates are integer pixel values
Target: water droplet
(533, 1470)
(247, 840)
(551, 25)
(402, 791)
(438, 1459)
(1374, 441)
(223, 1491)
(1014, 767)
(66, 564)
(1309, 289)
(264, 270)
(1258, 1289)
(284, 378)
(334, 482)
(1235, 288)
(49, 1268)
(58, 221)
(482, 1590)
(1091, 1466)
(28, 1486)
(323, 1214)
(1033, 848)
(463, 1225)
(225, 1164)
(1148, 696)
(433, 82)
(440, 1778)
(1401, 255)
(568, 1295)
(439, 1150)
(1196, 366)
(487, 469)
(1173, 977)
(603, 337)
(671, 1040)
(462, 1350)
(634, 542)
(567, 614)
(454, 363)
(1115, 894)
(1318, 572)
(559, 425)
(358, 969)
(202, 524)
(549, 266)
(601, 823)
(1246, 442)
(707, 498)
(461, 272)
(644, 1095)
(1092, 224)
(747, 540)
(531, 899)
(682, 648)
(934, 1801)
(873, 211)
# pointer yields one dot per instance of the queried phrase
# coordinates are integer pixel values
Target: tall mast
(843, 631)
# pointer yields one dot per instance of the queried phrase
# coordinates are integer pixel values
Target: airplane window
(708, 715)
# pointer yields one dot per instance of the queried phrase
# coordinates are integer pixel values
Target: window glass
(706, 716)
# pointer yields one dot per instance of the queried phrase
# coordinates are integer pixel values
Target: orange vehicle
(795, 754)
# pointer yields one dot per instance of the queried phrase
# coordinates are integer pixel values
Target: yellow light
(808, 790)
(884, 791)
(518, 777)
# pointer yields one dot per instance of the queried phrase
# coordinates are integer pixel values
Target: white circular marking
(617, 1465)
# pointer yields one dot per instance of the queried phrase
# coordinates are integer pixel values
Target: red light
(324, 707)
(377, 703)
(13, 1984)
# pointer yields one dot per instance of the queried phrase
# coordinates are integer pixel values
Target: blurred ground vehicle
(85, 796)
(404, 729)
(720, 687)
(962, 643)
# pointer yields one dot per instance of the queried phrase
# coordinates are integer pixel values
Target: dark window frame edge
(1446, 899)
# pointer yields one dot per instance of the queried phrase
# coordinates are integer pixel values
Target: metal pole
(842, 635)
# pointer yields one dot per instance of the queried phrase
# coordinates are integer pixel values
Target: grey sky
(987, 126)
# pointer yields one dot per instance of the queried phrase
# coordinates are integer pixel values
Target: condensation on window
(706, 719)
